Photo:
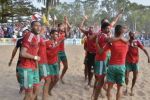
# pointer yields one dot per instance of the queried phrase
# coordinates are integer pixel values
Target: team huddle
(111, 57)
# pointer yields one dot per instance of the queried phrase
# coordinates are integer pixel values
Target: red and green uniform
(100, 59)
(52, 57)
(132, 58)
(43, 67)
(61, 50)
(27, 68)
(116, 69)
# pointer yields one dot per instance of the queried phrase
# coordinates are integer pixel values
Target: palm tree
(2, 4)
(50, 4)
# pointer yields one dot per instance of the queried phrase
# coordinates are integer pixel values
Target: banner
(7, 41)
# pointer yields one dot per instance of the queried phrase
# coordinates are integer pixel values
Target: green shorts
(100, 68)
(132, 67)
(28, 77)
(116, 74)
(53, 69)
(43, 71)
(62, 56)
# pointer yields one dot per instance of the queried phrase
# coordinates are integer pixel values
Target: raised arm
(81, 25)
(115, 20)
(67, 26)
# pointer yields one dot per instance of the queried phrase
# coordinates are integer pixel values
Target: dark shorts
(85, 60)
(91, 59)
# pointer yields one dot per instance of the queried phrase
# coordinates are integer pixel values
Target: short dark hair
(53, 31)
(60, 24)
(32, 23)
(104, 25)
(118, 30)
(103, 21)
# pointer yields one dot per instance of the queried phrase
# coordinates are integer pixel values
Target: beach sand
(74, 87)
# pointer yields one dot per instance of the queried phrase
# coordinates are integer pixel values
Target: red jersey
(91, 46)
(118, 53)
(62, 45)
(52, 51)
(42, 51)
(103, 44)
(31, 42)
(133, 52)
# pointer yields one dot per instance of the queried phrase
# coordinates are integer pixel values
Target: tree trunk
(47, 8)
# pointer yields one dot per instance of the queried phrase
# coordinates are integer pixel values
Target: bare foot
(50, 94)
(132, 93)
(87, 87)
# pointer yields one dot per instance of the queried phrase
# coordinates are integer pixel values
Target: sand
(74, 89)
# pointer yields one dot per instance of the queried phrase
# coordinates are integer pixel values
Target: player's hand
(85, 17)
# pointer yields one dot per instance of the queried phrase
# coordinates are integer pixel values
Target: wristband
(35, 57)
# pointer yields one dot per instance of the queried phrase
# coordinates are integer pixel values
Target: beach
(74, 87)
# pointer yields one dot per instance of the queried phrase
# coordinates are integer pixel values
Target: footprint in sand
(140, 93)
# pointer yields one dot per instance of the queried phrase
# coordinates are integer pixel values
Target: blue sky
(144, 2)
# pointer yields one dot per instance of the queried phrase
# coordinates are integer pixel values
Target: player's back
(118, 52)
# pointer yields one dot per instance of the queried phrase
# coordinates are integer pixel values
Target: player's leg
(127, 81)
(44, 74)
(128, 69)
(98, 87)
(119, 92)
(120, 80)
(111, 79)
(46, 89)
(65, 67)
(85, 69)
(26, 81)
(63, 59)
(28, 95)
(135, 75)
(55, 73)
(109, 92)
(36, 84)
(55, 77)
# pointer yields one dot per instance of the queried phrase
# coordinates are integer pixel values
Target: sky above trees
(144, 2)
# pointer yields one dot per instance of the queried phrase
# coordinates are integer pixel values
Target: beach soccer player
(100, 59)
(52, 49)
(18, 46)
(43, 66)
(132, 60)
(63, 30)
(91, 51)
(28, 68)
(116, 68)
